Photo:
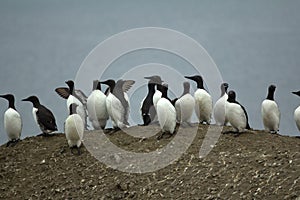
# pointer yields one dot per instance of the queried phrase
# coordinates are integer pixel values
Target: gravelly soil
(254, 165)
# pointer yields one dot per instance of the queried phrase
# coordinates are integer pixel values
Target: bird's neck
(270, 95)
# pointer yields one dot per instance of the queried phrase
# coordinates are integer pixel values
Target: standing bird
(270, 112)
(12, 121)
(117, 102)
(166, 113)
(203, 101)
(236, 113)
(96, 106)
(219, 108)
(147, 107)
(185, 105)
(74, 96)
(43, 117)
(74, 128)
(297, 112)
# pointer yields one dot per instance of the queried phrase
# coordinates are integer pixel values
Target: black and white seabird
(270, 112)
(236, 114)
(219, 108)
(147, 107)
(203, 100)
(185, 105)
(117, 102)
(96, 106)
(166, 113)
(74, 96)
(43, 117)
(74, 128)
(12, 120)
(297, 112)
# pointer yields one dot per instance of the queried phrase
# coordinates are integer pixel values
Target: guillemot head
(33, 99)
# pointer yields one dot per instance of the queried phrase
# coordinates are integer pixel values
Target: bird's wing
(127, 85)
(63, 92)
(247, 126)
(46, 118)
(81, 97)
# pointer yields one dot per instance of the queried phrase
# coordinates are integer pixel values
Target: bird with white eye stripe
(297, 112)
(43, 117)
(203, 101)
(236, 114)
(74, 129)
(12, 121)
(270, 112)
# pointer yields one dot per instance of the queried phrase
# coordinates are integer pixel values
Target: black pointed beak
(148, 77)
(294, 93)
(189, 77)
(26, 99)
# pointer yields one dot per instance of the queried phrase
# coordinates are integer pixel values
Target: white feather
(236, 116)
(297, 117)
(156, 97)
(270, 115)
(184, 108)
(34, 110)
(74, 129)
(80, 108)
(203, 105)
(116, 110)
(12, 124)
(96, 106)
(166, 114)
(219, 110)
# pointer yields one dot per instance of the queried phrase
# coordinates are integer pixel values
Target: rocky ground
(254, 165)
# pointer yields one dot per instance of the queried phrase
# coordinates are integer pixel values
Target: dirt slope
(255, 165)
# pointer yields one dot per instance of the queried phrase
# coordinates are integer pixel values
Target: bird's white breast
(96, 106)
(270, 115)
(184, 108)
(166, 114)
(12, 123)
(219, 110)
(74, 129)
(297, 117)
(236, 116)
(156, 97)
(203, 105)
(34, 110)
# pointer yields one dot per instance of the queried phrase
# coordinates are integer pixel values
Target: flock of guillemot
(156, 107)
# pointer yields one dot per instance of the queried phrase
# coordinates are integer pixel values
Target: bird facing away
(185, 105)
(12, 121)
(147, 106)
(74, 96)
(219, 108)
(117, 102)
(74, 129)
(43, 117)
(270, 112)
(166, 114)
(96, 106)
(203, 100)
(236, 113)
(297, 112)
